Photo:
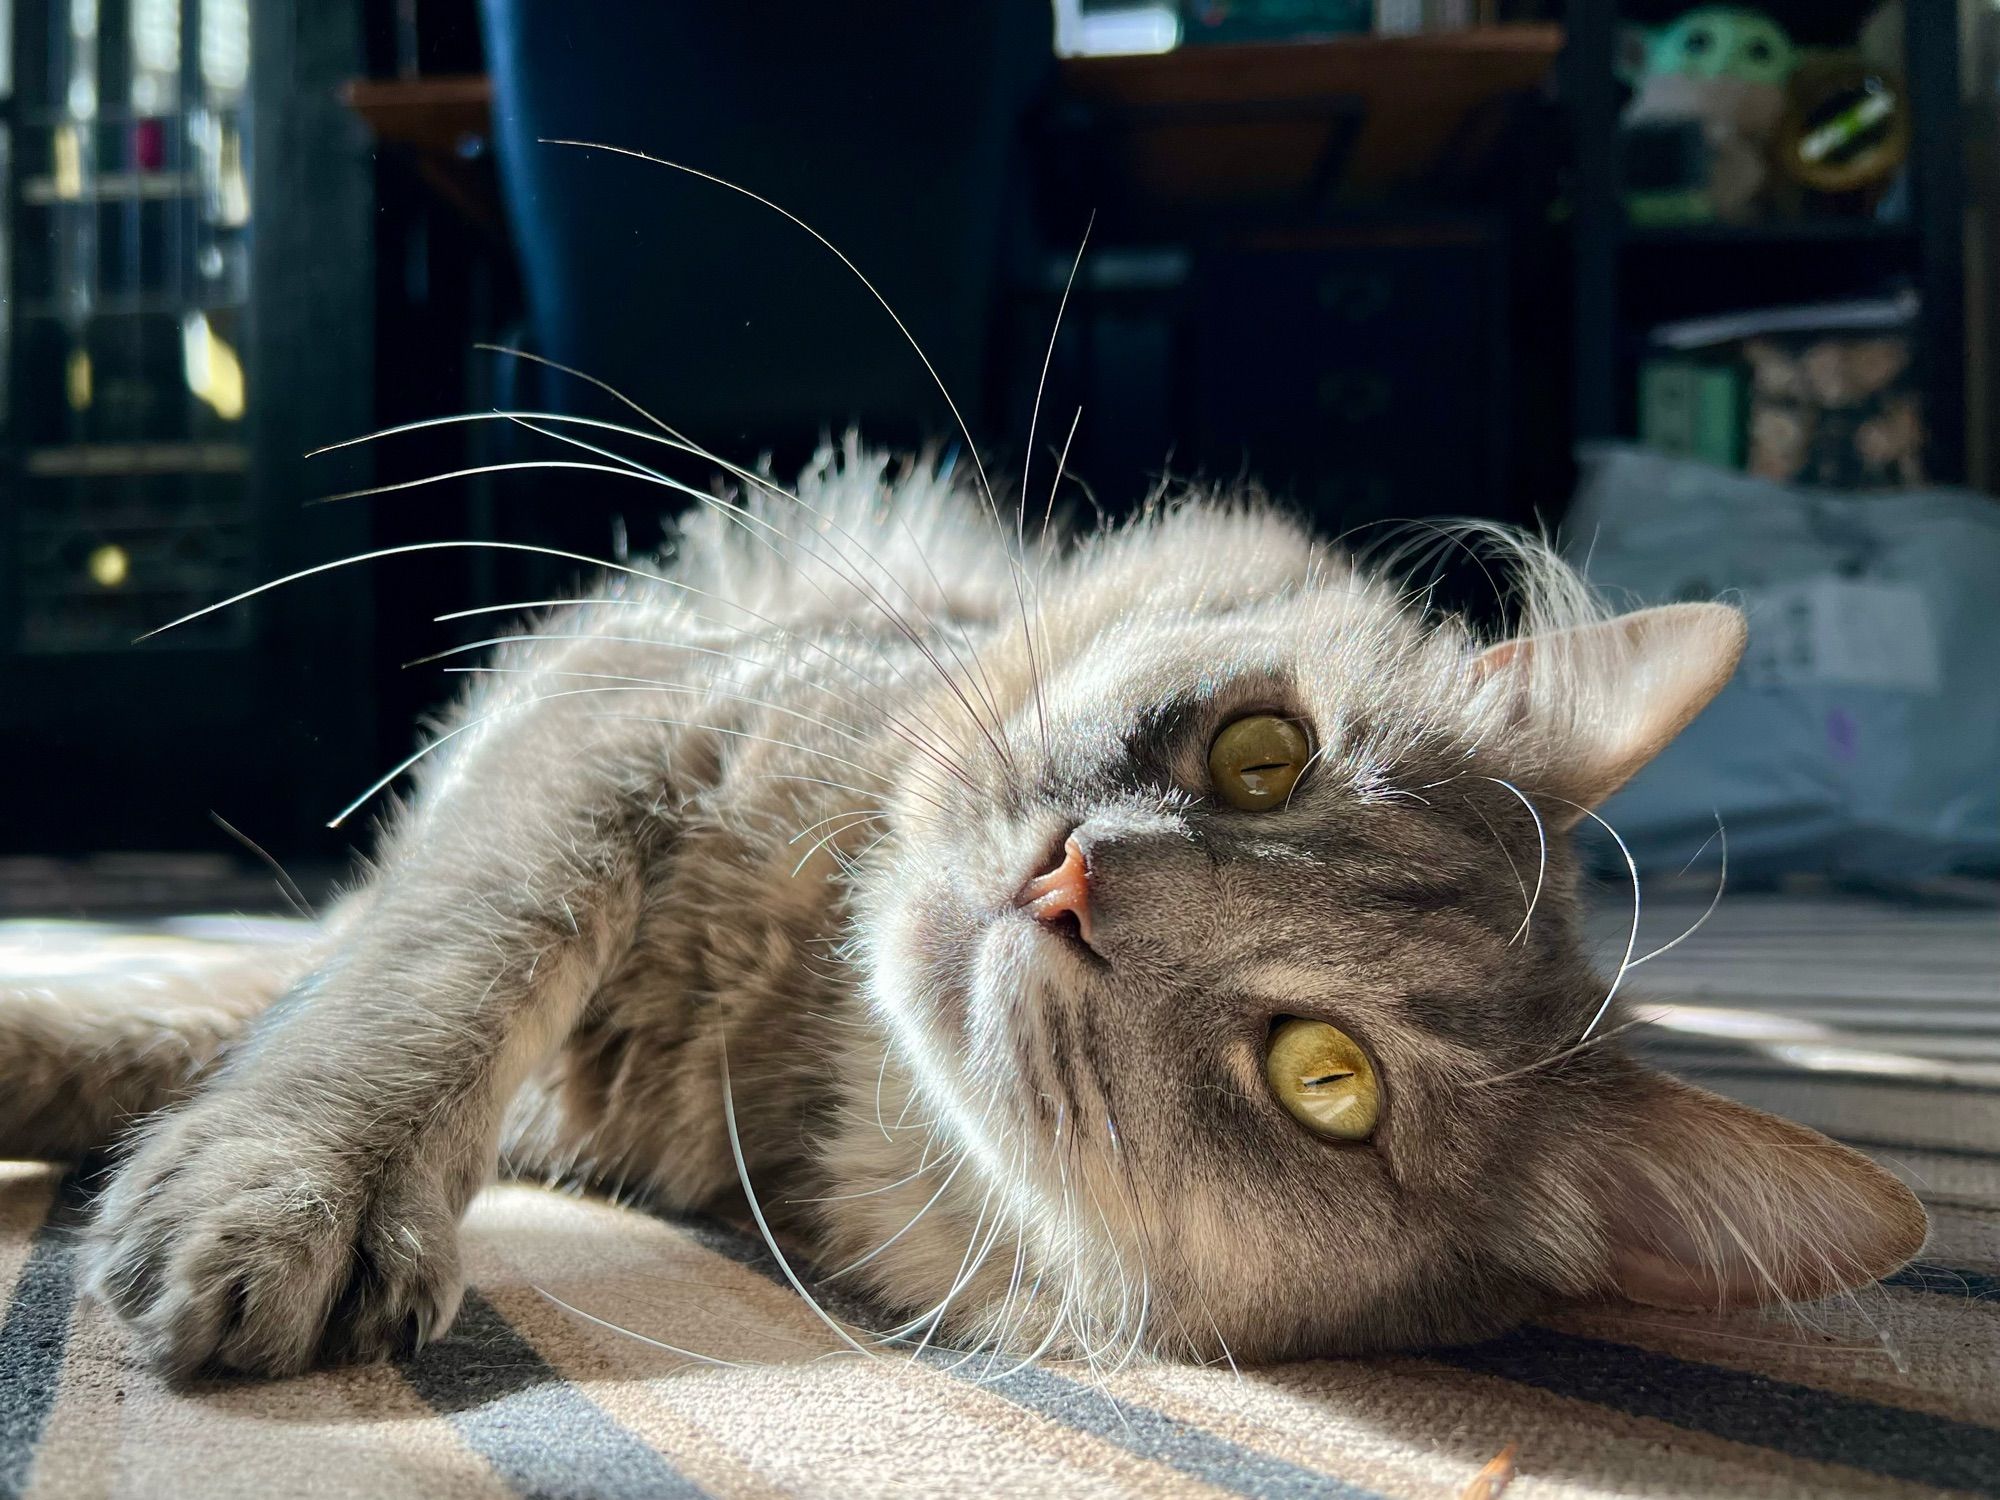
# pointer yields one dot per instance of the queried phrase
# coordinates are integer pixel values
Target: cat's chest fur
(775, 763)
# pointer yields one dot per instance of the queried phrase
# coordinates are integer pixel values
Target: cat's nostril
(1061, 891)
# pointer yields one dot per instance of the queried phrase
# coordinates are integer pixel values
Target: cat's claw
(230, 1242)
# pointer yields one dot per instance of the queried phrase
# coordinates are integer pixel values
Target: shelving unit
(180, 235)
(1620, 291)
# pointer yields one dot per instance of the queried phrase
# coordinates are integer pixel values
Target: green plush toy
(1724, 68)
(1723, 41)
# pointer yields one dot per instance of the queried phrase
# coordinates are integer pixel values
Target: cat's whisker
(658, 684)
(928, 1163)
(858, 820)
(757, 1213)
(404, 550)
(287, 887)
(1512, 868)
(1632, 939)
(666, 436)
(605, 1323)
(626, 467)
(846, 571)
(841, 727)
(1062, 463)
(742, 734)
(1228, 1355)
(1570, 1051)
(929, 1203)
(875, 812)
(881, 1078)
(972, 448)
(411, 760)
(907, 730)
(831, 248)
(521, 605)
(933, 1317)
(1042, 385)
(1541, 856)
(987, 695)
(473, 471)
(1721, 881)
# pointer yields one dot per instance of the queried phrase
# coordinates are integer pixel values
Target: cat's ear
(1712, 1204)
(1603, 699)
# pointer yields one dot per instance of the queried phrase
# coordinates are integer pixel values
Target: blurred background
(1709, 287)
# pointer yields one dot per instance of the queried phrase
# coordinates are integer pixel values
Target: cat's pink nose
(1061, 891)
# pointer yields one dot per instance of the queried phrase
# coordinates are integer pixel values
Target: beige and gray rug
(1876, 1023)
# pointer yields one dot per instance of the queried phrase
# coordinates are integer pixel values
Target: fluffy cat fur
(725, 858)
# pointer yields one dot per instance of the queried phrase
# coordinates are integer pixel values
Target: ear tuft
(1719, 1205)
(1604, 699)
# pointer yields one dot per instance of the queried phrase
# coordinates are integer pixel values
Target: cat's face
(1117, 1163)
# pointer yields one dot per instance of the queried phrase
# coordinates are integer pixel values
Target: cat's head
(1233, 1007)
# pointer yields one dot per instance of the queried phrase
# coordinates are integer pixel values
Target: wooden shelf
(1203, 125)
(444, 124)
(438, 114)
(1236, 122)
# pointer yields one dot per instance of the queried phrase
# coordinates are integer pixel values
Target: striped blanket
(608, 1352)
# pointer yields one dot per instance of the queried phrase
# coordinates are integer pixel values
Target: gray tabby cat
(1164, 944)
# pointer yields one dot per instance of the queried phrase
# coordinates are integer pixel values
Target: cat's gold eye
(1323, 1079)
(1255, 762)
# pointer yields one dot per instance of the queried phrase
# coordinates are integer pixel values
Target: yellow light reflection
(76, 380)
(109, 566)
(213, 372)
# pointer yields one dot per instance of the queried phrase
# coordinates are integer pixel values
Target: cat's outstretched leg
(305, 1205)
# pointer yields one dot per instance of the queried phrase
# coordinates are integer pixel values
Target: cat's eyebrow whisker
(403, 550)
(986, 487)
(413, 758)
(1542, 856)
(1568, 1052)
(1062, 463)
(631, 469)
(1501, 844)
(626, 468)
(1721, 881)
(892, 719)
(1632, 939)
(1042, 385)
(841, 727)
(846, 571)
(521, 605)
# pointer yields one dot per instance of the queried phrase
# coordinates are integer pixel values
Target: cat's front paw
(237, 1238)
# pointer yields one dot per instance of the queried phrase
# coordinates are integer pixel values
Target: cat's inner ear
(1712, 1204)
(1601, 700)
